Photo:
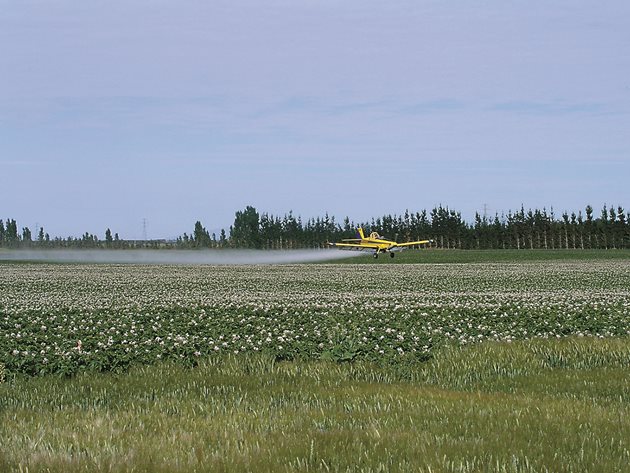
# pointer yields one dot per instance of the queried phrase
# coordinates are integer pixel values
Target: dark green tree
(11, 233)
(621, 228)
(588, 227)
(26, 236)
(201, 236)
(603, 227)
(245, 231)
(109, 240)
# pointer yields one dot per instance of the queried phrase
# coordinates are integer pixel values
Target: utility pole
(144, 229)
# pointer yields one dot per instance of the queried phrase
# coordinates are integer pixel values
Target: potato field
(64, 319)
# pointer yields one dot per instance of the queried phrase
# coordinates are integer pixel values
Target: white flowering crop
(67, 318)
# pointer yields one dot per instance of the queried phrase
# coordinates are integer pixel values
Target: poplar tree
(26, 235)
(588, 226)
(245, 231)
(201, 236)
(108, 238)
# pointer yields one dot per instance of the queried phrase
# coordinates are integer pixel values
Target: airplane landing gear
(375, 255)
(391, 255)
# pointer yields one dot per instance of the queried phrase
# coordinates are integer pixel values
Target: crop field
(68, 318)
(511, 366)
(433, 256)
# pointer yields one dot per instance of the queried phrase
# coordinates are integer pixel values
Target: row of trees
(10, 237)
(533, 229)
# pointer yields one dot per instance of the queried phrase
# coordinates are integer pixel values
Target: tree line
(11, 237)
(531, 229)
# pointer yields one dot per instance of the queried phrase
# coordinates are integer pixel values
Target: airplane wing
(355, 246)
(411, 243)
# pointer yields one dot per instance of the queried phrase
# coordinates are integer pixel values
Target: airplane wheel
(375, 255)
(391, 255)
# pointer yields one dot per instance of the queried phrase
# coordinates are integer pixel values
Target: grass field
(523, 407)
(496, 365)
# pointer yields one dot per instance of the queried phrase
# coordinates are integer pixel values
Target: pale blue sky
(111, 112)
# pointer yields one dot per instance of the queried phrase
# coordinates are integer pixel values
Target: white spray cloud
(218, 257)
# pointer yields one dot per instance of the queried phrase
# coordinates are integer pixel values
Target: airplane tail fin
(361, 235)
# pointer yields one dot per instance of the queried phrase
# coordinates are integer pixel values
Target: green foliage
(109, 240)
(201, 236)
(2, 373)
(66, 319)
(245, 232)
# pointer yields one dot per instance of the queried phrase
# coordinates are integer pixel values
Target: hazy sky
(115, 111)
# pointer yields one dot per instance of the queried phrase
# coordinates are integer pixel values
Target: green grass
(430, 255)
(544, 405)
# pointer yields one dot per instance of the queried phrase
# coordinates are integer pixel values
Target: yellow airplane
(376, 244)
